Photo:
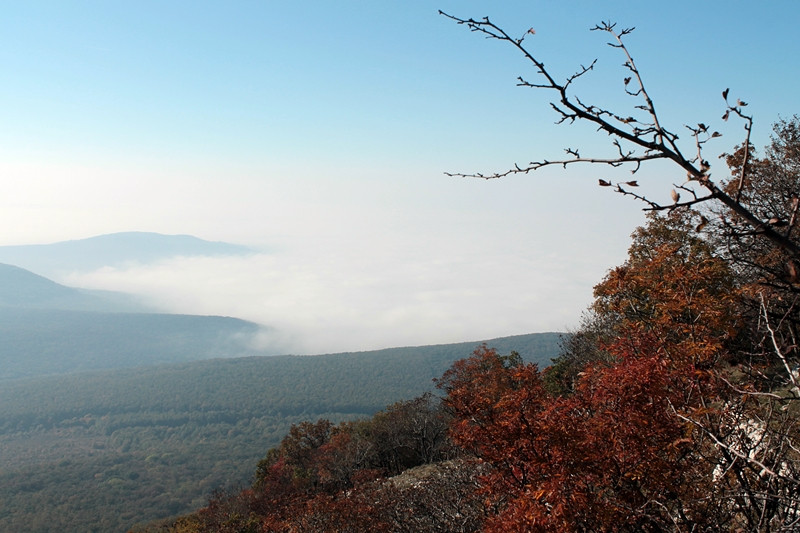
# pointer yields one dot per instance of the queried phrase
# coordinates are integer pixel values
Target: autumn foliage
(665, 426)
(664, 416)
(674, 408)
(682, 420)
(673, 290)
(596, 460)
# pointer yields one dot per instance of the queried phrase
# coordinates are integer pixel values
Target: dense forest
(41, 342)
(104, 450)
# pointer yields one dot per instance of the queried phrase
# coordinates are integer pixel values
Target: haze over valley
(115, 411)
(113, 414)
(305, 305)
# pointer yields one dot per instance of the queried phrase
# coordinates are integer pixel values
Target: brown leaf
(678, 442)
(603, 183)
(792, 270)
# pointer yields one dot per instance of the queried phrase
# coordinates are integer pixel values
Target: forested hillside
(38, 342)
(102, 451)
(50, 329)
(22, 289)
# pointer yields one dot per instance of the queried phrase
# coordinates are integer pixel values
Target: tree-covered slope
(103, 450)
(22, 289)
(39, 342)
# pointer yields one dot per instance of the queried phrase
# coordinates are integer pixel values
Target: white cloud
(334, 298)
(372, 265)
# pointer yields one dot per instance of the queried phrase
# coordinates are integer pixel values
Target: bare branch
(732, 449)
(651, 137)
(776, 347)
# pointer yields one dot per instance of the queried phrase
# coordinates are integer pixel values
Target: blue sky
(322, 130)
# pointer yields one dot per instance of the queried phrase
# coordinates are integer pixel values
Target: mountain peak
(22, 289)
(114, 250)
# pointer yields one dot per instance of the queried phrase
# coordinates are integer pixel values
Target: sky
(320, 133)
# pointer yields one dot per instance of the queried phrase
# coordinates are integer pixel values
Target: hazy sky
(321, 131)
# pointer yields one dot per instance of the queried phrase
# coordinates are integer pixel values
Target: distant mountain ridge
(22, 289)
(112, 250)
(50, 329)
(42, 342)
